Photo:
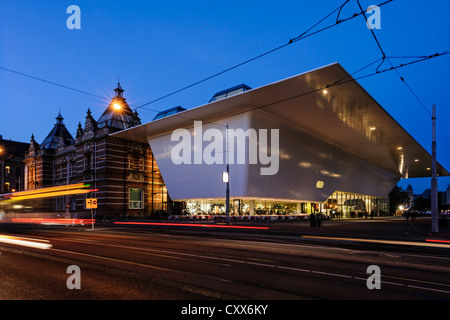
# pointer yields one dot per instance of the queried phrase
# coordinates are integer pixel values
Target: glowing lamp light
(319, 184)
(225, 177)
(117, 106)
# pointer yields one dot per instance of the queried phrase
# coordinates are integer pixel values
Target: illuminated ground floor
(339, 205)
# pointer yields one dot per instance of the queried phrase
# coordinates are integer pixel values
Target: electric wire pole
(227, 200)
(434, 196)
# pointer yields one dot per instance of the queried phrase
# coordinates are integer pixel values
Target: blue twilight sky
(157, 47)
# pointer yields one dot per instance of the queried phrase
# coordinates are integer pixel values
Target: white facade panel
(200, 180)
(308, 169)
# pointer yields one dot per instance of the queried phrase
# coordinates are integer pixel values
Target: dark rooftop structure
(118, 115)
(230, 92)
(10, 148)
(58, 132)
(168, 112)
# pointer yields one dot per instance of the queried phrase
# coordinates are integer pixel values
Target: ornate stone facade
(125, 175)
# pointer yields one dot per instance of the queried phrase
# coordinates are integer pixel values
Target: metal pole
(92, 218)
(434, 199)
(227, 201)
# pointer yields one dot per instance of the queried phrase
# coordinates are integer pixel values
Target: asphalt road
(192, 264)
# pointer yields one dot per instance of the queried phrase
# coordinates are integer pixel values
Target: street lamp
(226, 179)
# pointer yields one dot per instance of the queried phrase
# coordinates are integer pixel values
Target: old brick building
(11, 165)
(124, 173)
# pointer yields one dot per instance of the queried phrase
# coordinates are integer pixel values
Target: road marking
(332, 274)
(140, 264)
(294, 269)
(429, 289)
(260, 264)
(112, 259)
(421, 281)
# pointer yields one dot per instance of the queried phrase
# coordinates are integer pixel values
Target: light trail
(191, 225)
(428, 243)
(54, 221)
(26, 242)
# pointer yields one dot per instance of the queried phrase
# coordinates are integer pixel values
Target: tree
(422, 204)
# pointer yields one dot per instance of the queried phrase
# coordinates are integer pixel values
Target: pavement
(377, 228)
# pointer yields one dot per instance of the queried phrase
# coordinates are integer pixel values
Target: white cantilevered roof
(344, 115)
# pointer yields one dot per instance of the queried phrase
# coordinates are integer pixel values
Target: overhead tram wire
(334, 84)
(330, 85)
(302, 36)
(341, 82)
(189, 86)
(52, 83)
(387, 58)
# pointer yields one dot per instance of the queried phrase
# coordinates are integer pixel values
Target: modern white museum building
(315, 141)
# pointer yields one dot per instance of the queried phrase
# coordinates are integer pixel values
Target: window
(69, 169)
(135, 161)
(135, 196)
(87, 161)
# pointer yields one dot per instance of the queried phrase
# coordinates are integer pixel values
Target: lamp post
(226, 179)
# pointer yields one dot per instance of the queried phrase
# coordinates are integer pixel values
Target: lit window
(136, 196)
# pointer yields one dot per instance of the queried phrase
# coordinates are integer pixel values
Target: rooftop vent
(230, 92)
(168, 112)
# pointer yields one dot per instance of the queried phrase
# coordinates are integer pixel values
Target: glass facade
(157, 191)
(351, 205)
(339, 205)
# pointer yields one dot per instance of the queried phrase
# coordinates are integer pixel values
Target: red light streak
(191, 225)
(61, 221)
(438, 241)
